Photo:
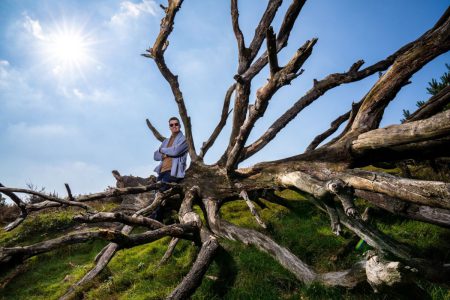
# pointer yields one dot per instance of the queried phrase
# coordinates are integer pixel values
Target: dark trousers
(164, 177)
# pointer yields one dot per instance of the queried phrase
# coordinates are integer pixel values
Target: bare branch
(243, 84)
(193, 279)
(173, 243)
(252, 208)
(430, 193)
(157, 53)
(242, 50)
(22, 206)
(287, 259)
(320, 88)
(281, 78)
(272, 50)
(47, 197)
(155, 132)
(223, 119)
(422, 213)
(282, 37)
(119, 217)
(8, 255)
(106, 254)
(121, 191)
(69, 192)
(14, 198)
(264, 23)
(334, 126)
(415, 137)
(424, 49)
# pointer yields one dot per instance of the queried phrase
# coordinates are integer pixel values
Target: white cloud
(79, 95)
(130, 10)
(34, 27)
(25, 131)
(4, 72)
(16, 91)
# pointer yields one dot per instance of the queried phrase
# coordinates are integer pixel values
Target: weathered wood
(432, 44)
(193, 279)
(155, 131)
(302, 271)
(252, 208)
(8, 255)
(263, 95)
(173, 243)
(422, 213)
(437, 126)
(430, 193)
(223, 120)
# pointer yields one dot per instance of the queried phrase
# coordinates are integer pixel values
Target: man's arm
(157, 155)
(176, 150)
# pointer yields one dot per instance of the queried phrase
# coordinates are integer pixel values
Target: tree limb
(281, 78)
(333, 80)
(223, 119)
(242, 50)
(376, 143)
(261, 29)
(334, 126)
(433, 43)
(8, 255)
(155, 131)
(252, 208)
(433, 215)
(6, 190)
(173, 243)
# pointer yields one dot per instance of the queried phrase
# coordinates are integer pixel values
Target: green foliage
(434, 87)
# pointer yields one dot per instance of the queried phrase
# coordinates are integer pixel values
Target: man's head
(174, 125)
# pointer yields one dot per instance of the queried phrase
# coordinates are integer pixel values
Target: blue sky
(75, 92)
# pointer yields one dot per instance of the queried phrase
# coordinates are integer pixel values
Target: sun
(68, 49)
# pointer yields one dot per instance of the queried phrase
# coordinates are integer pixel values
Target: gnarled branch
(155, 131)
(223, 119)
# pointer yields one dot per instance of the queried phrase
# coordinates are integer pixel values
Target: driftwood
(329, 174)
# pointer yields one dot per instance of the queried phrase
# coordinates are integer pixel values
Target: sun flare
(68, 50)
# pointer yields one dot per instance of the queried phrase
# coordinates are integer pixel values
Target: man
(172, 154)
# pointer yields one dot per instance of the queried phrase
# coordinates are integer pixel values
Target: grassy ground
(239, 272)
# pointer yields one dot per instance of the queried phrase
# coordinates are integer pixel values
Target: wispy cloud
(95, 95)
(4, 72)
(26, 131)
(130, 10)
(34, 27)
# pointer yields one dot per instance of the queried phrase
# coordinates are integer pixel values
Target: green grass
(238, 272)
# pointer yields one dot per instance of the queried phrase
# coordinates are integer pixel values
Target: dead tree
(330, 173)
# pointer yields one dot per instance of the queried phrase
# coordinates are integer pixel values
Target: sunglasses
(174, 124)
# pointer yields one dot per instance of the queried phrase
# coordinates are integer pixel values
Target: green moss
(48, 276)
(238, 272)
